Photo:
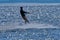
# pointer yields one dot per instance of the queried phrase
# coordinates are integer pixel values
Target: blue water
(29, 1)
(47, 14)
(31, 34)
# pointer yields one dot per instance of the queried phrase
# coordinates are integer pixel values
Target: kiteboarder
(22, 12)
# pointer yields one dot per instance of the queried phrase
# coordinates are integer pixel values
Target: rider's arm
(26, 12)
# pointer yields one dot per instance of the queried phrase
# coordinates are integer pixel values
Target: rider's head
(21, 7)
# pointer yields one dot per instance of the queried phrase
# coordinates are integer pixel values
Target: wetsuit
(23, 14)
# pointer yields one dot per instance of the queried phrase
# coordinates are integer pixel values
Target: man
(22, 12)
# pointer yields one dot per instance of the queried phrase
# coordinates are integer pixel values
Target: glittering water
(42, 14)
(48, 14)
(31, 34)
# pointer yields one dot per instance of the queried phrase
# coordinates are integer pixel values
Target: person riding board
(22, 12)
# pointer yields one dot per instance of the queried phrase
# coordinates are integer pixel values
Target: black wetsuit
(23, 14)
